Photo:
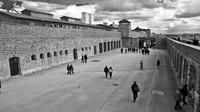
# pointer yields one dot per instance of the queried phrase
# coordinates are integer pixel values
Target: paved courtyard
(88, 90)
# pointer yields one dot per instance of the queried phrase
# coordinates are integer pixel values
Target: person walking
(82, 59)
(135, 89)
(158, 63)
(68, 69)
(178, 98)
(141, 65)
(121, 50)
(184, 92)
(110, 72)
(0, 85)
(85, 57)
(71, 69)
(106, 70)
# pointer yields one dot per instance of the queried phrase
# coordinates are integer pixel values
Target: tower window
(55, 53)
(33, 57)
(41, 56)
(66, 52)
(48, 54)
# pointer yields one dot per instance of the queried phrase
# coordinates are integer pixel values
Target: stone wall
(133, 40)
(186, 61)
(29, 43)
(128, 42)
(161, 43)
(136, 34)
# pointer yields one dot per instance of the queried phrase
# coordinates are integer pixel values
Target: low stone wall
(186, 60)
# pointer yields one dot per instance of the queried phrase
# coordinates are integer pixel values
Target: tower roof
(124, 21)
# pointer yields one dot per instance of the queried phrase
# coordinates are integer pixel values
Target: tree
(10, 5)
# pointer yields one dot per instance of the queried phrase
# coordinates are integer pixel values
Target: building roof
(140, 29)
(23, 16)
(124, 21)
(70, 17)
(27, 10)
(106, 26)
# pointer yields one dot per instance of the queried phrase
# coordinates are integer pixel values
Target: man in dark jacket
(106, 70)
(85, 57)
(72, 69)
(135, 89)
(158, 63)
(68, 69)
(0, 85)
(184, 92)
(178, 98)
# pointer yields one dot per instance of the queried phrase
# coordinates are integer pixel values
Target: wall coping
(189, 45)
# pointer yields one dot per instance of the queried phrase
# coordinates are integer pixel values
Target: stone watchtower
(124, 28)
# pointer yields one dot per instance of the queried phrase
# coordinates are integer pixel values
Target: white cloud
(188, 8)
(74, 11)
(170, 16)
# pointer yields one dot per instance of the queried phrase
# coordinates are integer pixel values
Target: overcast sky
(161, 16)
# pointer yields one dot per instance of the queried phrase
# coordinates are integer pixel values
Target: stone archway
(175, 58)
(192, 77)
(185, 72)
(177, 62)
(180, 68)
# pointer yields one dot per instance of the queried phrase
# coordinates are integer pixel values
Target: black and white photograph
(99, 55)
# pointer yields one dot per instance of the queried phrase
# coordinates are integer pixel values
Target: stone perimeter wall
(136, 34)
(186, 61)
(25, 41)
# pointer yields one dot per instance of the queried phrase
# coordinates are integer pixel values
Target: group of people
(84, 58)
(180, 97)
(70, 69)
(108, 71)
(144, 51)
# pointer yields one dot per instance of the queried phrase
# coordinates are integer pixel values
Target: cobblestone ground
(89, 91)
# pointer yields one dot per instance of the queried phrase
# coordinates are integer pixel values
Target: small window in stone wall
(82, 49)
(61, 52)
(33, 57)
(66, 52)
(86, 48)
(49, 55)
(89, 48)
(41, 56)
(55, 53)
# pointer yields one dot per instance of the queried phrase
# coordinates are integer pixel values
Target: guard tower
(124, 28)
